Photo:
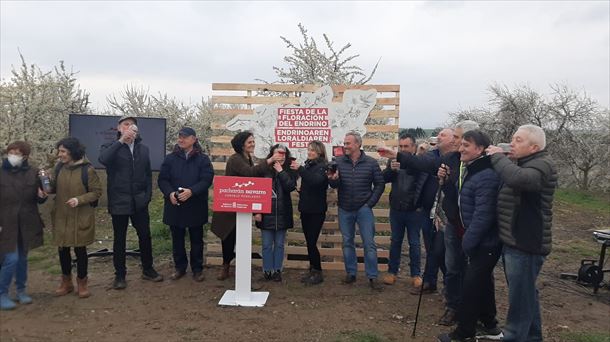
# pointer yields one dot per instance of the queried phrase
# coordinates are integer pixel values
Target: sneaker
(177, 275)
(277, 276)
(416, 281)
(119, 283)
(23, 298)
(453, 337)
(375, 285)
(152, 275)
(6, 303)
(267, 276)
(493, 334)
(449, 318)
(349, 279)
(427, 289)
(198, 277)
(389, 279)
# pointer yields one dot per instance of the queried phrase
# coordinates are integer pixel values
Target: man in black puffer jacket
(406, 215)
(127, 163)
(524, 219)
(186, 175)
(360, 185)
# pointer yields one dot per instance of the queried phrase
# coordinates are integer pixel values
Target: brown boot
(83, 290)
(224, 273)
(65, 286)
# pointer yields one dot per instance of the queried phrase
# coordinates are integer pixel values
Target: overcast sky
(444, 55)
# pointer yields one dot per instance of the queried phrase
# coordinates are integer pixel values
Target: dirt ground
(187, 311)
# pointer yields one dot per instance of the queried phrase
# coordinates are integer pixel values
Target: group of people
(479, 203)
(473, 202)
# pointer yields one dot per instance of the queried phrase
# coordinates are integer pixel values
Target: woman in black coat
(275, 224)
(239, 164)
(186, 174)
(312, 205)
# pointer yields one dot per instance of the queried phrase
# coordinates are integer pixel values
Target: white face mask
(15, 160)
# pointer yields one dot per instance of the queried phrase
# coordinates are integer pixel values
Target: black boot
(315, 278)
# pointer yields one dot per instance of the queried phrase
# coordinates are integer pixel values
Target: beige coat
(75, 227)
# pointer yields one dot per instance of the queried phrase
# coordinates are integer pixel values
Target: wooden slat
(380, 240)
(254, 100)
(382, 128)
(376, 211)
(227, 111)
(298, 250)
(219, 166)
(301, 87)
(384, 113)
(384, 101)
(296, 264)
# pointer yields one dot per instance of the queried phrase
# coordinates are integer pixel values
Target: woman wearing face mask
(20, 223)
(77, 188)
(477, 192)
(275, 224)
(312, 205)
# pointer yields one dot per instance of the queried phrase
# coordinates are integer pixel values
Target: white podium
(243, 295)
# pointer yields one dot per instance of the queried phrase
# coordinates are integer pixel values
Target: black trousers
(478, 300)
(141, 222)
(65, 261)
(228, 247)
(179, 251)
(312, 226)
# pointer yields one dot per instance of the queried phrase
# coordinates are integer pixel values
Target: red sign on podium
(242, 194)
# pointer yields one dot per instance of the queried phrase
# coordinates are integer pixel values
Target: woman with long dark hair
(274, 225)
(312, 205)
(239, 164)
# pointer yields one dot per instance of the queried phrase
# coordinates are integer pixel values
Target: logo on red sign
(242, 194)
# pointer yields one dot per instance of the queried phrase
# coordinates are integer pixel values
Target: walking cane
(433, 213)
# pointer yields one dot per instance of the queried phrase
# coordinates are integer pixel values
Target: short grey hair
(535, 134)
(356, 136)
(467, 125)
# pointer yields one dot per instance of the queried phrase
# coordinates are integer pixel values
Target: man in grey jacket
(360, 183)
(524, 220)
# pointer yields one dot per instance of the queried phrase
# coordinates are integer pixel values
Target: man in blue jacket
(127, 163)
(186, 174)
(360, 185)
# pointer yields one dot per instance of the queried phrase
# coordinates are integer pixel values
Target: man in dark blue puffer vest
(360, 185)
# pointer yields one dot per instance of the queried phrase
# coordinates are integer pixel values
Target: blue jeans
(366, 224)
(434, 243)
(401, 221)
(14, 263)
(523, 322)
(273, 249)
(455, 261)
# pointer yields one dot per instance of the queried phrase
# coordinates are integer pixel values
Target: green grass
(584, 249)
(597, 202)
(359, 336)
(45, 257)
(586, 337)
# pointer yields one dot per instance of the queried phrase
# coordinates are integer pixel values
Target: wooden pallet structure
(242, 98)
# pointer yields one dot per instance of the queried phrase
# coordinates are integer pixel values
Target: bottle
(176, 193)
(45, 181)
